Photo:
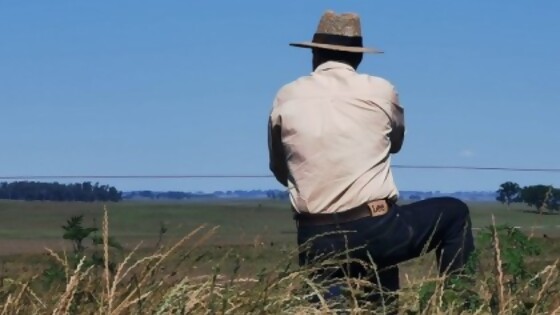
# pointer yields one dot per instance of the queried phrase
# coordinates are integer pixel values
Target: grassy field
(252, 238)
(29, 226)
(35, 224)
(260, 232)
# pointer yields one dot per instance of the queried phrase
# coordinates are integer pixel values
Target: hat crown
(344, 24)
(341, 32)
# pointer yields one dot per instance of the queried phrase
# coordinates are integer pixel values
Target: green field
(252, 237)
(30, 226)
(35, 223)
(239, 222)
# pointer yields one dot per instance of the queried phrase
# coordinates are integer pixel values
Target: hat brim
(337, 47)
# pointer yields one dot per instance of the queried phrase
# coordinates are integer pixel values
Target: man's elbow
(397, 143)
(282, 179)
(395, 147)
(280, 174)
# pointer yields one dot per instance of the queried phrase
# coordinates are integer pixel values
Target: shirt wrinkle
(337, 127)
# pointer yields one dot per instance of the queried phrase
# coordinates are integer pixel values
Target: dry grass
(499, 271)
(152, 284)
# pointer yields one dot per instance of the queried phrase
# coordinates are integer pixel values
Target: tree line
(86, 191)
(541, 197)
(277, 194)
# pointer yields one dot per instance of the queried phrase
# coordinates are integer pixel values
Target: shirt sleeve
(397, 123)
(277, 158)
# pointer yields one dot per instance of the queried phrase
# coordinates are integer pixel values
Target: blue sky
(185, 87)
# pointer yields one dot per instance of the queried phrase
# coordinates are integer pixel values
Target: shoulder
(293, 88)
(381, 87)
(378, 82)
(291, 91)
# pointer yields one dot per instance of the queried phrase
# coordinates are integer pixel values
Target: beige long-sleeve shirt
(331, 135)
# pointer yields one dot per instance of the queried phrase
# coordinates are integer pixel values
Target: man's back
(337, 130)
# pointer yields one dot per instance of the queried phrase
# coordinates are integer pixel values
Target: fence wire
(225, 176)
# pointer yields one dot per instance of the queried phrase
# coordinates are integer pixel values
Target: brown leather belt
(370, 209)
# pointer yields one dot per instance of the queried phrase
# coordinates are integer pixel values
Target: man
(331, 136)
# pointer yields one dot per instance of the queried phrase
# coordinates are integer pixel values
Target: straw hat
(341, 32)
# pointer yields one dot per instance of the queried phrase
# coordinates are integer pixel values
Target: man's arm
(277, 157)
(397, 123)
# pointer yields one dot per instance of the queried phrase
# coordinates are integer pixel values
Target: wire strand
(481, 168)
(224, 176)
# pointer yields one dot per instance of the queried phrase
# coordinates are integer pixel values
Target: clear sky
(185, 87)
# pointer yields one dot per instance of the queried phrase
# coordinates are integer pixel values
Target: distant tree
(4, 193)
(58, 192)
(552, 202)
(539, 196)
(270, 194)
(146, 194)
(114, 194)
(87, 192)
(415, 198)
(509, 192)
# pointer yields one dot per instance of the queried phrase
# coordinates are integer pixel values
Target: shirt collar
(333, 65)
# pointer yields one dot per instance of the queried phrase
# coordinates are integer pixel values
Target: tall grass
(154, 284)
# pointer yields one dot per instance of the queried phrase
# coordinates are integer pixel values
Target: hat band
(340, 40)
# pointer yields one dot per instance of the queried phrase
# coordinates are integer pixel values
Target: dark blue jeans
(405, 232)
